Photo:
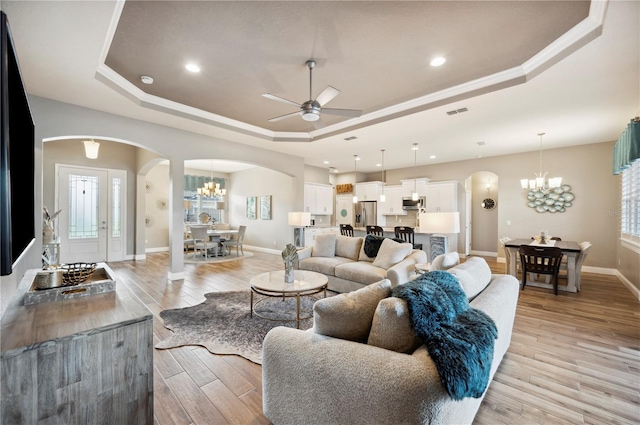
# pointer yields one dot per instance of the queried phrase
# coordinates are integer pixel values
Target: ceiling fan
(311, 109)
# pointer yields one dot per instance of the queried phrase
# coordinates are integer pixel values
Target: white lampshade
(299, 219)
(442, 222)
(91, 149)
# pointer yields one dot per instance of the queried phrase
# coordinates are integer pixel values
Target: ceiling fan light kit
(311, 109)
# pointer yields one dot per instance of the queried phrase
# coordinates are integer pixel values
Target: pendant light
(540, 183)
(382, 197)
(414, 195)
(355, 178)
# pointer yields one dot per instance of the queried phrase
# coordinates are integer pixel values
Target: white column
(176, 238)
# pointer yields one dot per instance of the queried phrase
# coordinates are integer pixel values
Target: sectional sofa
(348, 267)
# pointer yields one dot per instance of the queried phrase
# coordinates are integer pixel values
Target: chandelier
(540, 183)
(211, 189)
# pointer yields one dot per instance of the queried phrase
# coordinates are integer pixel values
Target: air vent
(481, 143)
(351, 138)
(457, 111)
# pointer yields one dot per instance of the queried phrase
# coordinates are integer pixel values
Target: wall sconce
(91, 148)
(488, 185)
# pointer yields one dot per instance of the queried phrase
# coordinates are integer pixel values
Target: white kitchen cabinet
(442, 197)
(393, 201)
(369, 191)
(318, 199)
(420, 185)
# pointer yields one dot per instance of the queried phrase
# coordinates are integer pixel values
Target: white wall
(274, 233)
(157, 231)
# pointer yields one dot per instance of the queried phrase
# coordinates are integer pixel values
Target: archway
(482, 207)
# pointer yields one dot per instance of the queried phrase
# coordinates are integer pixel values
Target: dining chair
(375, 230)
(540, 260)
(406, 234)
(584, 251)
(186, 237)
(346, 230)
(203, 242)
(507, 254)
(236, 242)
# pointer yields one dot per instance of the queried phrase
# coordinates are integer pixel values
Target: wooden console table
(81, 360)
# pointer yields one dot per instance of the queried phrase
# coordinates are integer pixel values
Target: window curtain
(627, 148)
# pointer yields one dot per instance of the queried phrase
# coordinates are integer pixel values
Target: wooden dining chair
(406, 234)
(375, 230)
(540, 260)
(346, 230)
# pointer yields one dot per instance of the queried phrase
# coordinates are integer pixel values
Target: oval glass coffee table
(272, 284)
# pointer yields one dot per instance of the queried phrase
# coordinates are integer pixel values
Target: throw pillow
(445, 261)
(391, 328)
(324, 245)
(349, 315)
(391, 253)
(372, 244)
(348, 247)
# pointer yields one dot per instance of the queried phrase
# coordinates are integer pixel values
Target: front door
(90, 226)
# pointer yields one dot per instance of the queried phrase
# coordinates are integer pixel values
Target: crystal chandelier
(540, 183)
(382, 197)
(414, 195)
(355, 172)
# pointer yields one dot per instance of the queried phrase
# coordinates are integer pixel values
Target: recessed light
(378, 165)
(432, 157)
(146, 79)
(192, 67)
(437, 61)
(325, 162)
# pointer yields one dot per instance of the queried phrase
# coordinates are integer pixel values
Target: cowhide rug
(222, 323)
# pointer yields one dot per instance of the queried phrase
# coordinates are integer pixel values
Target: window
(630, 208)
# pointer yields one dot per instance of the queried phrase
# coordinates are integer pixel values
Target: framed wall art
(251, 207)
(265, 207)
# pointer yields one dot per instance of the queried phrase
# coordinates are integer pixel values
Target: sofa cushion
(324, 265)
(349, 316)
(324, 245)
(348, 247)
(391, 253)
(391, 327)
(360, 271)
(474, 275)
(445, 261)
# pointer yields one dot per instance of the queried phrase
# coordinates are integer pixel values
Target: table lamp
(438, 226)
(299, 220)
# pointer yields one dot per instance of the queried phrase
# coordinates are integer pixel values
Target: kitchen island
(80, 360)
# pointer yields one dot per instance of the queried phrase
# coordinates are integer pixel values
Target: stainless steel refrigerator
(366, 213)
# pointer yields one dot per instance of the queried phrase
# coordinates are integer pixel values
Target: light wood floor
(573, 359)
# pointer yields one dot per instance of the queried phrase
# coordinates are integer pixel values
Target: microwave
(411, 204)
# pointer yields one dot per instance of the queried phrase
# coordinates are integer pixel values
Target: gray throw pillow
(391, 328)
(349, 315)
(324, 245)
(391, 253)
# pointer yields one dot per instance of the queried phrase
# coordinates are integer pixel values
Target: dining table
(570, 249)
(222, 232)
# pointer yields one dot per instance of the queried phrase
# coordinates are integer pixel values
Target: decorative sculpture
(290, 257)
(48, 231)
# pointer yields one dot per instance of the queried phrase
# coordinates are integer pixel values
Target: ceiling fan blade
(281, 117)
(280, 99)
(326, 95)
(342, 112)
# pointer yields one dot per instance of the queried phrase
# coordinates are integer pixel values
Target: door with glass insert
(90, 226)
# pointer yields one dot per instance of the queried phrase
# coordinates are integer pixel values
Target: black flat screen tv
(17, 147)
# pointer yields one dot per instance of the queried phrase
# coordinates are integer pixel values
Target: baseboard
(158, 249)
(600, 270)
(502, 260)
(260, 249)
(139, 257)
(484, 253)
(175, 276)
(626, 282)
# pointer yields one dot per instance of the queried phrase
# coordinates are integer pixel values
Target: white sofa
(359, 364)
(343, 260)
